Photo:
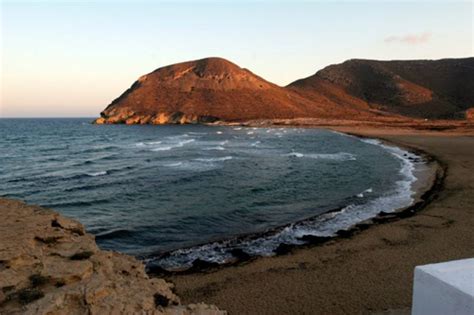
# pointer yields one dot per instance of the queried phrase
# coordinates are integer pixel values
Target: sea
(172, 195)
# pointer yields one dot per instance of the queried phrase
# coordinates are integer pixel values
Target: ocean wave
(98, 148)
(173, 146)
(184, 135)
(217, 148)
(325, 225)
(19, 180)
(101, 173)
(362, 194)
(109, 157)
(341, 156)
(76, 203)
(193, 166)
(217, 159)
(114, 234)
(98, 173)
(57, 176)
(89, 187)
(143, 144)
(162, 149)
(295, 154)
(254, 144)
(173, 164)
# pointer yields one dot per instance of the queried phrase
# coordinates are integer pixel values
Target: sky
(72, 58)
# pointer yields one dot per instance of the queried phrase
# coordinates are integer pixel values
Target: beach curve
(365, 273)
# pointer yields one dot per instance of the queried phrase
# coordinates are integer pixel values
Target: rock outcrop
(132, 118)
(470, 114)
(50, 265)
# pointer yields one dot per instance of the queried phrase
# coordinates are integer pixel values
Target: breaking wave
(217, 159)
(173, 146)
(341, 156)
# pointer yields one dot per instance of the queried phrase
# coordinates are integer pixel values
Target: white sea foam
(170, 146)
(173, 164)
(209, 145)
(186, 142)
(295, 154)
(193, 166)
(217, 159)
(254, 144)
(102, 173)
(341, 156)
(184, 135)
(362, 194)
(162, 149)
(152, 143)
(143, 144)
(218, 148)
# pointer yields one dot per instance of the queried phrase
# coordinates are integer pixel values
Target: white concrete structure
(444, 289)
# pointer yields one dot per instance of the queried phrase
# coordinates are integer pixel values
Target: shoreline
(424, 189)
(370, 272)
(355, 272)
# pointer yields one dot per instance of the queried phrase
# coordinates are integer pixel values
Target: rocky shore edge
(50, 265)
(162, 118)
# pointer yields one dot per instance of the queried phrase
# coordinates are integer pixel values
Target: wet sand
(368, 273)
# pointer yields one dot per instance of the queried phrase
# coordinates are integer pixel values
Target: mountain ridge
(211, 89)
(435, 89)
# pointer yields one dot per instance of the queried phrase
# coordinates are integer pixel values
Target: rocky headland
(50, 265)
(215, 89)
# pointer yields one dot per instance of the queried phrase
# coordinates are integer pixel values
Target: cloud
(409, 39)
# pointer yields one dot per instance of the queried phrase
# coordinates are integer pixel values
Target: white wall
(444, 288)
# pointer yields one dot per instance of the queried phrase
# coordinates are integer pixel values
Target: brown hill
(214, 88)
(416, 88)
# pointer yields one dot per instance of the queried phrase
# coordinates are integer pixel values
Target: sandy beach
(368, 273)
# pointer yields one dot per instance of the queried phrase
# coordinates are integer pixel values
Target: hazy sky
(72, 58)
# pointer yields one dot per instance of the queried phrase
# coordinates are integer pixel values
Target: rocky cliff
(50, 265)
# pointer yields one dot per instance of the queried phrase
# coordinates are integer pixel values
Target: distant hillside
(212, 89)
(416, 88)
